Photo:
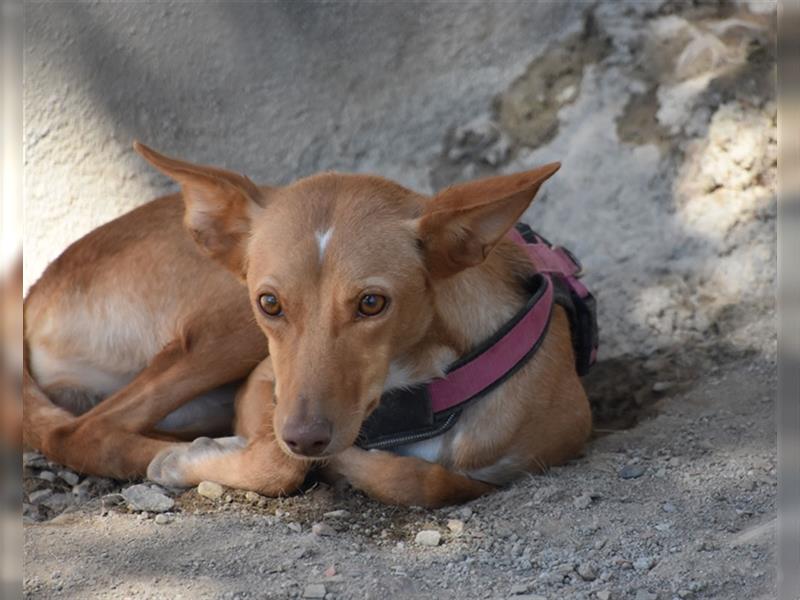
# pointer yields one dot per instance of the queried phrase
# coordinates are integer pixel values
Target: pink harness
(427, 410)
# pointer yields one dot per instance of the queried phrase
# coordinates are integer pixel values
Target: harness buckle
(572, 257)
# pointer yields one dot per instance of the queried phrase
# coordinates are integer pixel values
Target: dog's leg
(110, 439)
(251, 460)
(404, 480)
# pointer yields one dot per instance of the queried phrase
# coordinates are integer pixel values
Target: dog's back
(115, 298)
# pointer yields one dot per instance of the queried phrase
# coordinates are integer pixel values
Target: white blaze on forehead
(323, 237)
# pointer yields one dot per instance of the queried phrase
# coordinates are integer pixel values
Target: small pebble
(162, 519)
(428, 537)
(314, 590)
(296, 527)
(519, 588)
(645, 595)
(322, 529)
(47, 476)
(39, 495)
(587, 572)
(632, 471)
(69, 477)
(604, 595)
(456, 526)
(252, 497)
(34, 460)
(668, 507)
(644, 563)
(337, 514)
(582, 501)
(210, 490)
(142, 498)
(662, 386)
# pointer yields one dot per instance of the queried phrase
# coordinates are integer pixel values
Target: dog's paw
(177, 466)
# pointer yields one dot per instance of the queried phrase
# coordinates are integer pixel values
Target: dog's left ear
(220, 205)
(461, 225)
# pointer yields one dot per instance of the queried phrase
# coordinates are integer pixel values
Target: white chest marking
(323, 237)
(399, 377)
(426, 450)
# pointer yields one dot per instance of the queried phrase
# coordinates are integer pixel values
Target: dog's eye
(371, 305)
(270, 305)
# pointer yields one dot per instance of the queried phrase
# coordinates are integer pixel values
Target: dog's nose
(307, 437)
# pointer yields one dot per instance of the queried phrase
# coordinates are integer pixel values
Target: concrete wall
(276, 90)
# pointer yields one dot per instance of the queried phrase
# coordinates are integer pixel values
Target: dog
(325, 311)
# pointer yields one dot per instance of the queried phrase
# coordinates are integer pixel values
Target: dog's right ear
(220, 205)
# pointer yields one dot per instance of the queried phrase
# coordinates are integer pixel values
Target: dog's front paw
(179, 465)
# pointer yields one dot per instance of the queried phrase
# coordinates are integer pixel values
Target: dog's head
(342, 272)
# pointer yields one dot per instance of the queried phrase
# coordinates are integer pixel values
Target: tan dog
(358, 284)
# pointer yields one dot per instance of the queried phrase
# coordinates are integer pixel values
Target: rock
(314, 590)
(530, 597)
(39, 495)
(587, 572)
(210, 490)
(34, 460)
(57, 502)
(47, 476)
(644, 563)
(252, 497)
(428, 537)
(322, 529)
(662, 386)
(632, 471)
(141, 498)
(296, 527)
(645, 595)
(604, 595)
(31, 512)
(582, 501)
(456, 526)
(82, 491)
(519, 588)
(163, 519)
(69, 477)
(337, 514)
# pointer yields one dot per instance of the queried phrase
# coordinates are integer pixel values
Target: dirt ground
(663, 115)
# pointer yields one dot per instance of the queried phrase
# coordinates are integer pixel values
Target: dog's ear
(219, 206)
(461, 225)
